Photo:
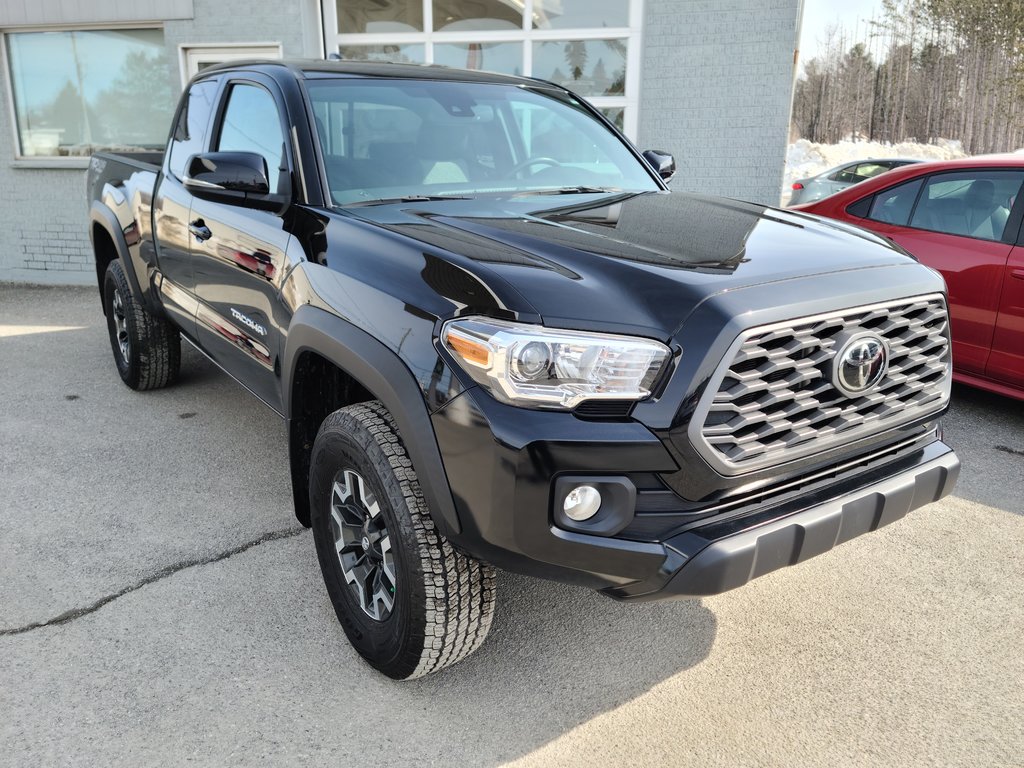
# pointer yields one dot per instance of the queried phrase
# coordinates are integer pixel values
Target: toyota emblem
(860, 364)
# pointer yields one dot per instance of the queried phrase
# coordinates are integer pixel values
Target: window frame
(321, 165)
(223, 53)
(1012, 233)
(218, 91)
(631, 35)
(54, 161)
(268, 85)
(920, 181)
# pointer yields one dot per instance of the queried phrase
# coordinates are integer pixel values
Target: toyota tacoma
(497, 339)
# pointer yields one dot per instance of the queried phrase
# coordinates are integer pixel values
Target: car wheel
(408, 601)
(147, 348)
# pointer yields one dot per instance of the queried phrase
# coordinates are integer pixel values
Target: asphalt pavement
(161, 606)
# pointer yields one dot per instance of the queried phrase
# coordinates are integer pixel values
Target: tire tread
(155, 341)
(459, 590)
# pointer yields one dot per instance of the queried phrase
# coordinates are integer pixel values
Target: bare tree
(923, 70)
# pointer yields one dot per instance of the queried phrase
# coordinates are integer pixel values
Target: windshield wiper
(580, 190)
(407, 199)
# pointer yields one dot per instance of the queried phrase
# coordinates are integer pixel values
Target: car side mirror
(232, 177)
(662, 162)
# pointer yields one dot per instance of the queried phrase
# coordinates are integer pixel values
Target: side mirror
(231, 177)
(662, 162)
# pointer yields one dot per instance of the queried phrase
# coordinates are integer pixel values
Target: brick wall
(716, 91)
(44, 217)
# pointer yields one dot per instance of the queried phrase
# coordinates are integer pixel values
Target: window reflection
(379, 16)
(251, 124)
(498, 36)
(506, 58)
(580, 14)
(77, 92)
(589, 67)
(617, 115)
(190, 133)
(400, 54)
(473, 15)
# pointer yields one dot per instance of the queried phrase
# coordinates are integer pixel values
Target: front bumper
(503, 464)
(717, 558)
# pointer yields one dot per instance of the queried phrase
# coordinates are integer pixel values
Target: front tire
(147, 349)
(409, 603)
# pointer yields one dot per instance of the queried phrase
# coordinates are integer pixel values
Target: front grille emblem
(860, 364)
(800, 387)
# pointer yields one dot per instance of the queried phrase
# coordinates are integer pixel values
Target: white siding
(716, 88)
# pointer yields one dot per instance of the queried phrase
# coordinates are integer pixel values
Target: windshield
(394, 139)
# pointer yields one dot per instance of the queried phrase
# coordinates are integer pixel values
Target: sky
(820, 14)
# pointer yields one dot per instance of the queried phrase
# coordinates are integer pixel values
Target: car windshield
(399, 139)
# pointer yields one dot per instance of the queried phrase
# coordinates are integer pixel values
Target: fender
(382, 372)
(100, 213)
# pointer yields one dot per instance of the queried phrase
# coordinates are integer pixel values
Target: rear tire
(409, 603)
(147, 349)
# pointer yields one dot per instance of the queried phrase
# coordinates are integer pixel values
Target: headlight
(538, 367)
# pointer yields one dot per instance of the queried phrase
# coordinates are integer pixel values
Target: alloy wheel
(363, 544)
(121, 325)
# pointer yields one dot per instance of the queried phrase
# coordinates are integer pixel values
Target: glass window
(549, 41)
(971, 204)
(200, 57)
(848, 175)
(251, 124)
(430, 138)
(567, 14)
(379, 16)
(893, 205)
(869, 170)
(855, 174)
(413, 53)
(588, 67)
(78, 92)
(189, 135)
(476, 15)
(616, 115)
(506, 58)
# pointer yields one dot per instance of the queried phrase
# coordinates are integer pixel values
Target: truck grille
(773, 398)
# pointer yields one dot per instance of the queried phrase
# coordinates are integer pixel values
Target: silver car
(842, 176)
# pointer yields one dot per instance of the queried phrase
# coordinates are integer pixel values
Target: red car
(963, 218)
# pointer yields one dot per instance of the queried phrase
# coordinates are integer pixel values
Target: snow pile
(805, 158)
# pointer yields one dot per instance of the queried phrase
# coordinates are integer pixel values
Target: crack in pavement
(1009, 450)
(163, 573)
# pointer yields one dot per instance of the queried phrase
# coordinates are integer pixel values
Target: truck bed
(149, 160)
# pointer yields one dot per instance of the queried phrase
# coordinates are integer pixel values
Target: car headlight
(538, 367)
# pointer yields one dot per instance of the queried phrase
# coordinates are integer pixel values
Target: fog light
(582, 503)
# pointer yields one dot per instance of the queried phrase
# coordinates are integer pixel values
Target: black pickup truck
(496, 338)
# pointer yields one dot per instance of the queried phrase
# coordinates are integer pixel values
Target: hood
(638, 263)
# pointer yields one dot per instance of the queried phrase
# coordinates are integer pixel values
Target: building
(709, 81)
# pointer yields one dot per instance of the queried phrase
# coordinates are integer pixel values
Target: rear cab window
(192, 126)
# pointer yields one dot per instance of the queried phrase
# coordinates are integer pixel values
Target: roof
(962, 163)
(320, 68)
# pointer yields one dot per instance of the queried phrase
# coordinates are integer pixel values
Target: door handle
(199, 230)
(1018, 273)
